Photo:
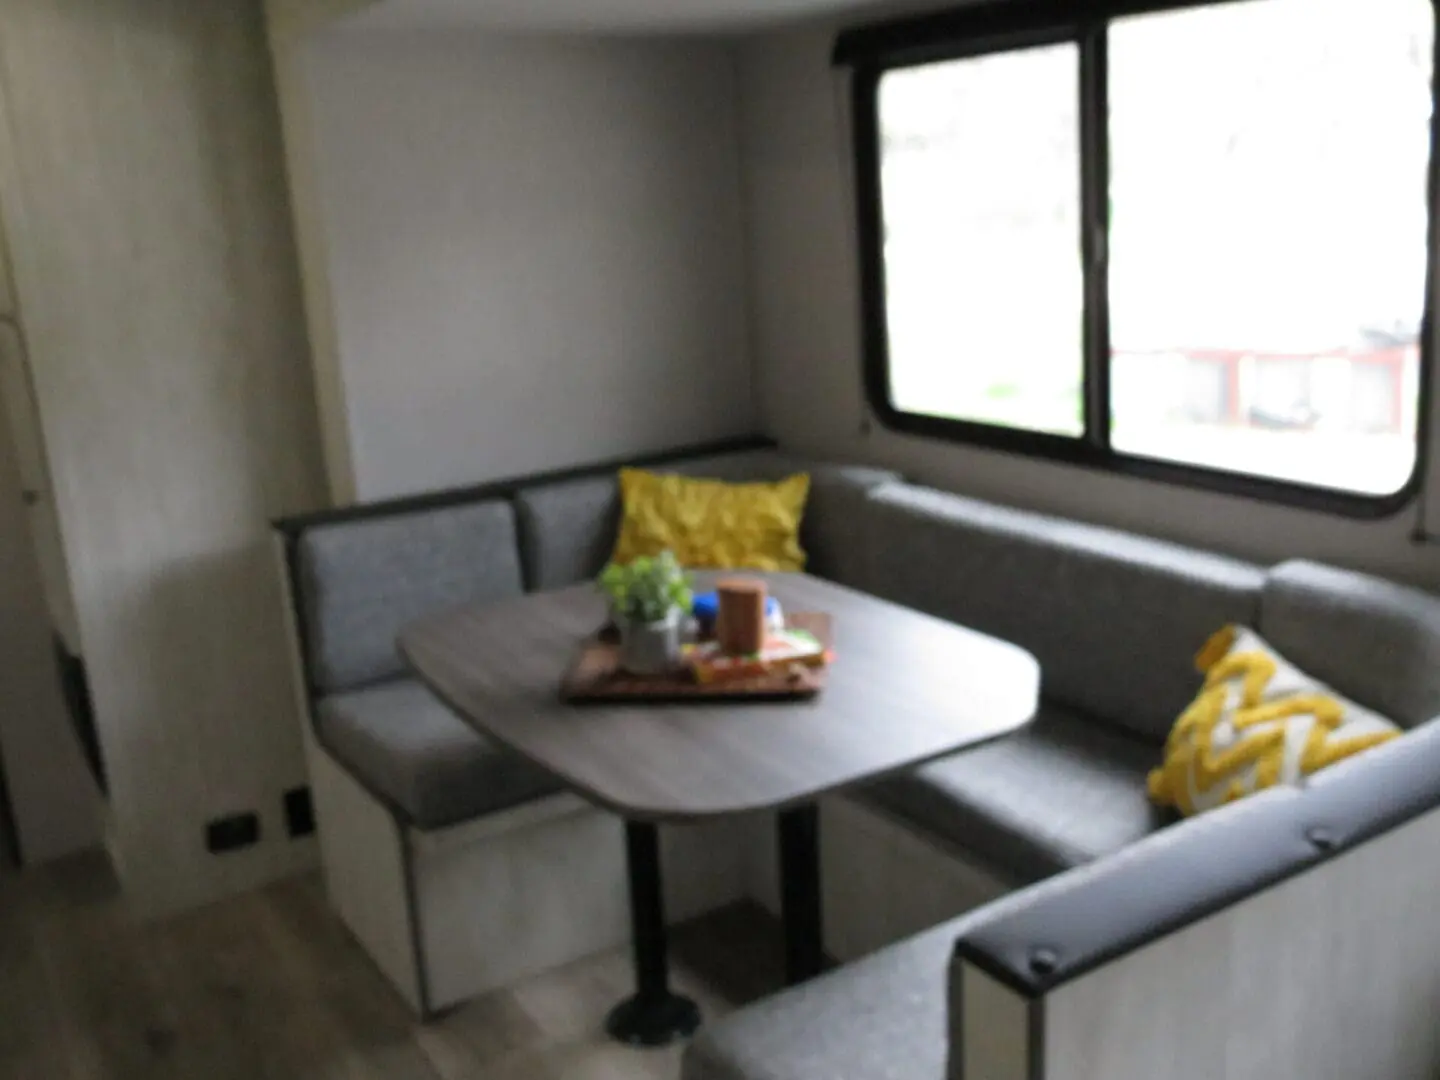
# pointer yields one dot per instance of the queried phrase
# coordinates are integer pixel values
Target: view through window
(1267, 248)
(982, 222)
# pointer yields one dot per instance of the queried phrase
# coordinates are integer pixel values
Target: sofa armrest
(1234, 922)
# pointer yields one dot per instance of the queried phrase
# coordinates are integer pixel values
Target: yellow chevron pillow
(1259, 722)
(710, 524)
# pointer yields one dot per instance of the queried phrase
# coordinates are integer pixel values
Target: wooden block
(740, 624)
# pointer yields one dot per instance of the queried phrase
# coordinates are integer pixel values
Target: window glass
(980, 192)
(1268, 249)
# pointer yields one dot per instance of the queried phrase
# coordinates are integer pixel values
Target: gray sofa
(1054, 812)
(1114, 620)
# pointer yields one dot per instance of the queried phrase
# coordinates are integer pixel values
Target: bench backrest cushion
(1372, 640)
(568, 529)
(1115, 619)
(362, 581)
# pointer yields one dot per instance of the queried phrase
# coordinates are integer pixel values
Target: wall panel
(155, 271)
(533, 246)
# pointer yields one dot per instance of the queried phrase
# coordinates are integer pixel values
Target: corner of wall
(289, 37)
(747, 235)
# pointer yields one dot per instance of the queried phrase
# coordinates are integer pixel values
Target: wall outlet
(232, 833)
(299, 813)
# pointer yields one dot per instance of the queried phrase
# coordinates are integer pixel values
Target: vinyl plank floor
(31, 1041)
(270, 985)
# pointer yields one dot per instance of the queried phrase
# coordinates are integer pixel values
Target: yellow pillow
(709, 524)
(1259, 721)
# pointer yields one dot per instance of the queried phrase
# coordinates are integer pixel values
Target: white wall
(290, 24)
(142, 183)
(804, 281)
(534, 247)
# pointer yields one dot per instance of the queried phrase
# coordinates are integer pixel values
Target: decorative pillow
(710, 524)
(1259, 721)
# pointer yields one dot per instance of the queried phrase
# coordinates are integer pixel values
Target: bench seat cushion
(880, 1018)
(404, 745)
(1063, 792)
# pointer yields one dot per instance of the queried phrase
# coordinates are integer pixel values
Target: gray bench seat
(882, 1018)
(1058, 794)
(403, 744)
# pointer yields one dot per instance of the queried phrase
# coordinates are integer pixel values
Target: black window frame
(871, 52)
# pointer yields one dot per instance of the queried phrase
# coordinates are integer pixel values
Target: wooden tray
(595, 676)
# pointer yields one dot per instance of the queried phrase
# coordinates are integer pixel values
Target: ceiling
(599, 16)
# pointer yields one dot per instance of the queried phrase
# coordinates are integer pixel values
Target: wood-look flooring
(270, 985)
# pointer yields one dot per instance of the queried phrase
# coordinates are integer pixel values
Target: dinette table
(904, 688)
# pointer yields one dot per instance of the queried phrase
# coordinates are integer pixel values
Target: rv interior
(719, 539)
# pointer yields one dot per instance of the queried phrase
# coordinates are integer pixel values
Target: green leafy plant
(648, 589)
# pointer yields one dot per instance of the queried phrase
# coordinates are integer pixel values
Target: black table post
(800, 902)
(654, 1016)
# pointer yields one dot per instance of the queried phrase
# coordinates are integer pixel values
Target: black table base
(655, 1016)
(641, 1021)
(800, 904)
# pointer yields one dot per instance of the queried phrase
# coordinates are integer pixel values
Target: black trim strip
(1118, 907)
(1094, 91)
(1428, 355)
(1035, 1048)
(955, 1012)
(870, 229)
(923, 39)
(9, 829)
(290, 546)
(412, 915)
(1034, 1028)
(80, 704)
(295, 525)
(1019, 24)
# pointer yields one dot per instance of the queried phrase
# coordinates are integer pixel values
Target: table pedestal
(800, 903)
(654, 1016)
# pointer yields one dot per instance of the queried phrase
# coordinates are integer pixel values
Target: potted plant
(649, 599)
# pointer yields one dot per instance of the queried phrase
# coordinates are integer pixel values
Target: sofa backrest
(1372, 640)
(360, 581)
(359, 574)
(1114, 618)
(568, 529)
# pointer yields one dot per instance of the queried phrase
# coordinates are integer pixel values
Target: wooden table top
(905, 688)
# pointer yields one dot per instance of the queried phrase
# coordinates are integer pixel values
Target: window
(1190, 243)
(982, 210)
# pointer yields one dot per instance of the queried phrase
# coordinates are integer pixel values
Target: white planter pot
(650, 648)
